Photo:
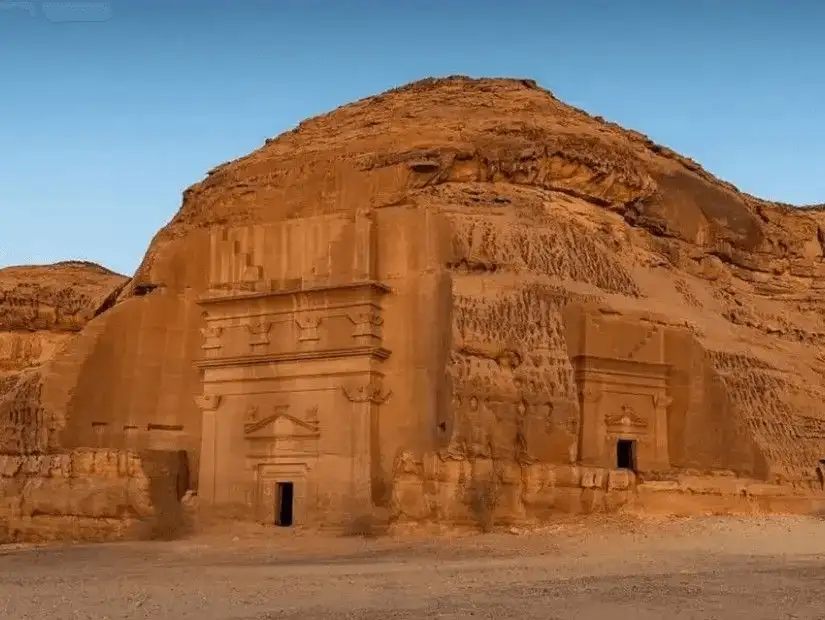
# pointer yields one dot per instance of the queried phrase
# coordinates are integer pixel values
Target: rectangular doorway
(626, 454)
(284, 499)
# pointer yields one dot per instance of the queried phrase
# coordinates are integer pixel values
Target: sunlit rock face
(571, 314)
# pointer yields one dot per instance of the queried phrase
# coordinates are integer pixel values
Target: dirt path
(753, 568)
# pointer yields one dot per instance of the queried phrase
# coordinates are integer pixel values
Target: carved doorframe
(267, 476)
(600, 377)
(276, 457)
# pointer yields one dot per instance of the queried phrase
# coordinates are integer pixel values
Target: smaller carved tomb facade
(623, 394)
(293, 376)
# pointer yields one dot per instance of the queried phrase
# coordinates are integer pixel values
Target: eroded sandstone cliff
(633, 222)
(42, 310)
(549, 209)
(47, 492)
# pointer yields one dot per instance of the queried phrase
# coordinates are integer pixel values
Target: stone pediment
(626, 418)
(281, 424)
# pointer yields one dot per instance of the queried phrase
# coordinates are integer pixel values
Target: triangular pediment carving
(626, 418)
(281, 424)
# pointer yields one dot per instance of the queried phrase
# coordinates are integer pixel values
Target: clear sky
(108, 113)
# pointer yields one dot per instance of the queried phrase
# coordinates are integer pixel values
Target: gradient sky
(109, 113)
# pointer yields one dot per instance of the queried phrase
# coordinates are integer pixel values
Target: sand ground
(590, 569)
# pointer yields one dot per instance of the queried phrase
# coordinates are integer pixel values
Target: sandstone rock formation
(42, 310)
(47, 492)
(535, 254)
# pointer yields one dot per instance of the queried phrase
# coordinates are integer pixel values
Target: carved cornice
(371, 391)
(216, 296)
(208, 402)
(590, 365)
(378, 353)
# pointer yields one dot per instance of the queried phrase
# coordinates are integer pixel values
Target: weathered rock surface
(42, 310)
(549, 209)
(62, 297)
(92, 494)
(47, 492)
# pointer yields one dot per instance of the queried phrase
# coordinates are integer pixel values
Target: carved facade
(622, 377)
(292, 377)
(295, 370)
(334, 344)
(622, 401)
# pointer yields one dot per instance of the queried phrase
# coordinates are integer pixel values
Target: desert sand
(591, 568)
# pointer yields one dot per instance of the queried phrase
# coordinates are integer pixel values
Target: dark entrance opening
(283, 504)
(626, 454)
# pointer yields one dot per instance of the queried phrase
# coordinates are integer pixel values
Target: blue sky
(105, 121)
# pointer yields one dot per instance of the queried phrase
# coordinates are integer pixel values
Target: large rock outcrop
(42, 311)
(549, 210)
(47, 492)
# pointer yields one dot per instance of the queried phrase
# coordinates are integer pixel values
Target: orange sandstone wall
(129, 381)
